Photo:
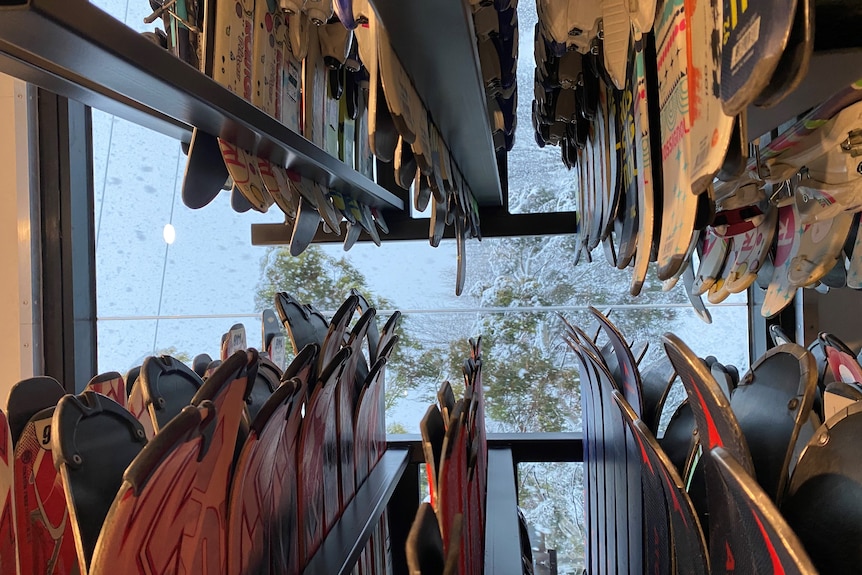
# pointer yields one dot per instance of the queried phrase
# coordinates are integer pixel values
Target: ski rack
(505, 452)
(345, 541)
(79, 51)
(828, 72)
(436, 44)
(502, 553)
(494, 225)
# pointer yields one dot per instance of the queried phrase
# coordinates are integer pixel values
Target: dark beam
(343, 544)
(493, 225)
(68, 240)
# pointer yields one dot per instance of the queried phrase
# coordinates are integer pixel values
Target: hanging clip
(167, 7)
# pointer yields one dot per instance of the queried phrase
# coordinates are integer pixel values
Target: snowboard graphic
(111, 385)
(8, 548)
(45, 540)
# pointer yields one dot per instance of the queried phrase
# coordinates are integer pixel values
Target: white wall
(16, 317)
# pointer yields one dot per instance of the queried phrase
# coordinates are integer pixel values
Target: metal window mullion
(65, 168)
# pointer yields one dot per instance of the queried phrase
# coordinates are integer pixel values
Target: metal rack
(436, 44)
(76, 50)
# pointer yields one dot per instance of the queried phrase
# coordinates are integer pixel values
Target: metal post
(68, 239)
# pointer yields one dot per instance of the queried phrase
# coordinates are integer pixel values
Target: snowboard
(771, 541)
(627, 513)
(234, 340)
(789, 234)
(233, 64)
(345, 397)
(370, 442)
(263, 500)
(266, 381)
(807, 124)
(818, 497)
(688, 544)
(303, 323)
(46, 543)
(679, 204)
(646, 185)
(717, 427)
(748, 251)
(273, 339)
(318, 474)
(432, 428)
(28, 397)
(94, 439)
(335, 336)
(754, 37)
(424, 543)
(111, 385)
(656, 381)
(713, 255)
(794, 62)
(452, 490)
(167, 386)
(629, 131)
(172, 506)
(205, 172)
(658, 543)
(772, 403)
(137, 406)
(593, 458)
(820, 249)
(710, 127)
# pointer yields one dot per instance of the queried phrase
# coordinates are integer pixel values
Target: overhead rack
(436, 44)
(81, 52)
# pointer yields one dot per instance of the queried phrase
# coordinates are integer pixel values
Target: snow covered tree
(324, 281)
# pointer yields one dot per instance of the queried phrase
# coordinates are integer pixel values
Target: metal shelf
(436, 44)
(494, 225)
(502, 538)
(76, 50)
(828, 73)
(346, 540)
